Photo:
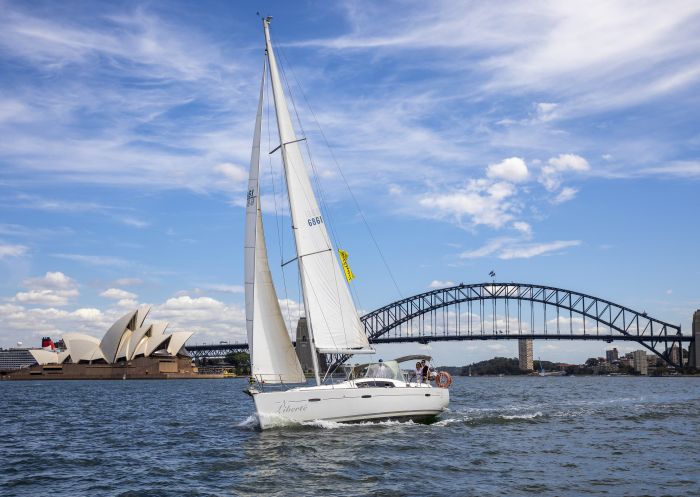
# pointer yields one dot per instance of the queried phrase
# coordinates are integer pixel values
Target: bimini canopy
(414, 357)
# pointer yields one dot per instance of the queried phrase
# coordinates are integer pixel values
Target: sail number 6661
(313, 221)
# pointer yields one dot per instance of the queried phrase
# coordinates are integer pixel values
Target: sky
(554, 143)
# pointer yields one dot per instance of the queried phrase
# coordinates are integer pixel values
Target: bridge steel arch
(396, 322)
(405, 320)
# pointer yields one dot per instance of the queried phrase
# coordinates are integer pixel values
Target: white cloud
(117, 294)
(441, 284)
(128, 281)
(546, 111)
(512, 169)
(134, 222)
(523, 227)
(395, 190)
(481, 201)
(45, 297)
(180, 64)
(11, 250)
(680, 169)
(37, 202)
(527, 251)
(486, 250)
(95, 260)
(29, 324)
(551, 174)
(567, 193)
(52, 279)
(509, 248)
(88, 314)
(232, 172)
(210, 318)
(569, 162)
(127, 303)
(54, 288)
(597, 54)
(222, 288)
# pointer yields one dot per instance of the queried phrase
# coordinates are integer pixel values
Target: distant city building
(12, 359)
(694, 351)
(639, 358)
(525, 354)
(626, 360)
(653, 360)
(611, 355)
(675, 354)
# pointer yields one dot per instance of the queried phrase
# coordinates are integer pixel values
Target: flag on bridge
(346, 267)
(492, 274)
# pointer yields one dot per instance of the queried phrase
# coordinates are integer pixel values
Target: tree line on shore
(511, 366)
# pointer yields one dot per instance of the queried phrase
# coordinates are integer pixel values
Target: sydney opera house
(131, 348)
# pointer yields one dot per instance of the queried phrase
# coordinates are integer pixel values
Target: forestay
(272, 356)
(334, 323)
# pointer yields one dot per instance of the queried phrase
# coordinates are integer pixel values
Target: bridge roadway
(505, 311)
(222, 350)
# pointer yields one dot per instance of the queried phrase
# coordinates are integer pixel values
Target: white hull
(348, 402)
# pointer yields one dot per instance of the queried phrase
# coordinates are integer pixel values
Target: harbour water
(503, 436)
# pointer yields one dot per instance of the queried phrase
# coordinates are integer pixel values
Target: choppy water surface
(502, 436)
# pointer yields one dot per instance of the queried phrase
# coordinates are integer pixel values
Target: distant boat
(376, 390)
(542, 372)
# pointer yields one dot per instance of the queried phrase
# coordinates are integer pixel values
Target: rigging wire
(337, 164)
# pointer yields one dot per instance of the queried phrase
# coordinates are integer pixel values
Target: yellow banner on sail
(346, 267)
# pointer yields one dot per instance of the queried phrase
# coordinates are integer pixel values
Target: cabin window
(374, 384)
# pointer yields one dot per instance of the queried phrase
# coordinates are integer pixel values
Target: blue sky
(553, 142)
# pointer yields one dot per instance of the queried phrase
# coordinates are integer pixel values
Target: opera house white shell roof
(126, 339)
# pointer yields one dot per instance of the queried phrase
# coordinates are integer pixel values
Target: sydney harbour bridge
(507, 311)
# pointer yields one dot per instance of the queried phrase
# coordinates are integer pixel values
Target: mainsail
(272, 356)
(334, 323)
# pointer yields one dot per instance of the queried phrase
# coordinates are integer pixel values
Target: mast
(334, 325)
(281, 112)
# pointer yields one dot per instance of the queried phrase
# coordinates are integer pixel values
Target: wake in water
(522, 416)
(332, 425)
(251, 422)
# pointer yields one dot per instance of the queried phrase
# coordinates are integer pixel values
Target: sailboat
(371, 391)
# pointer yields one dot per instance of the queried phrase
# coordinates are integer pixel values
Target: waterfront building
(13, 359)
(639, 358)
(525, 354)
(127, 339)
(611, 355)
(130, 348)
